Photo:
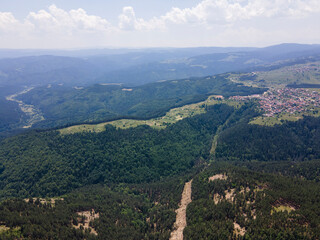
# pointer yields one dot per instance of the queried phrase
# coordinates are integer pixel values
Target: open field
(300, 73)
(3, 228)
(296, 74)
(271, 121)
(282, 208)
(173, 116)
(280, 118)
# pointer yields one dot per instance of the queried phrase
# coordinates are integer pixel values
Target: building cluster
(289, 100)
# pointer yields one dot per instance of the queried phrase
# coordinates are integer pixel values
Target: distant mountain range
(76, 88)
(136, 66)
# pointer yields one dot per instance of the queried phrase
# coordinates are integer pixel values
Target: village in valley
(286, 100)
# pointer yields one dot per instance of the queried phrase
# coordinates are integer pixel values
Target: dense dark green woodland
(146, 211)
(253, 206)
(46, 163)
(10, 115)
(134, 179)
(295, 141)
(309, 170)
(125, 212)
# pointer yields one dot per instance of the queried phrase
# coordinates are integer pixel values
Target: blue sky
(150, 23)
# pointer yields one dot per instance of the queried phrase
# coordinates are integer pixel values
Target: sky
(74, 24)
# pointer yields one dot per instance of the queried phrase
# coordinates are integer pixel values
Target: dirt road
(181, 218)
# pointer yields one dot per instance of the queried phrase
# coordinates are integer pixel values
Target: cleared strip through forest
(181, 218)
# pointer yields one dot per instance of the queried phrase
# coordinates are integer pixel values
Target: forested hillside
(141, 211)
(10, 115)
(296, 141)
(127, 183)
(62, 106)
(56, 164)
(250, 205)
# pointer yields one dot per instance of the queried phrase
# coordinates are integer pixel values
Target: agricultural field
(173, 116)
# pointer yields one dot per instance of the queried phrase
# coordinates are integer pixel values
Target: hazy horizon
(147, 48)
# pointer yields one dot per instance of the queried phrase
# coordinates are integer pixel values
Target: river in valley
(33, 114)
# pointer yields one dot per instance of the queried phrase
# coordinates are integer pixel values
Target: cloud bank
(215, 17)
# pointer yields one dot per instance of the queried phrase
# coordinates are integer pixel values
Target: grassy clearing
(281, 118)
(3, 228)
(173, 116)
(282, 208)
(84, 128)
(299, 73)
(271, 121)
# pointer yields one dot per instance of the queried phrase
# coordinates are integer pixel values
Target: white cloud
(219, 22)
(54, 27)
(59, 20)
(129, 21)
(7, 20)
(211, 12)
(207, 13)
(9, 24)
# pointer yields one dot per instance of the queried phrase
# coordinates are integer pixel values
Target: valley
(33, 114)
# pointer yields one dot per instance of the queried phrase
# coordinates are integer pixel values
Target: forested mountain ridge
(209, 63)
(137, 67)
(97, 103)
(56, 164)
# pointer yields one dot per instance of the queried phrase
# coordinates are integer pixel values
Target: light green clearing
(280, 118)
(3, 228)
(14, 232)
(282, 208)
(271, 121)
(173, 116)
(299, 73)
